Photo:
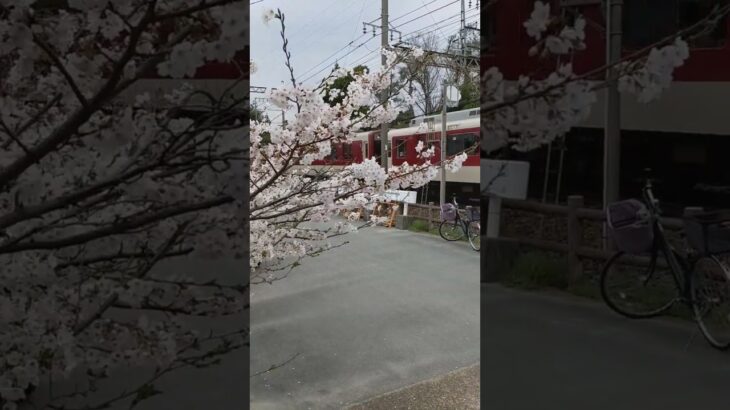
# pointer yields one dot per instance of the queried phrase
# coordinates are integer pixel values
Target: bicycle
(454, 228)
(700, 279)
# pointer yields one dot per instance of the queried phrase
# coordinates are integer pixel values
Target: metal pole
(283, 119)
(384, 98)
(560, 169)
(546, 181)
(612, 137)
(462, 39)
(442, 158)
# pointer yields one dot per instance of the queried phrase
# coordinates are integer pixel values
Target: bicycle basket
(629, 226)
(448, 212)
(709, 232)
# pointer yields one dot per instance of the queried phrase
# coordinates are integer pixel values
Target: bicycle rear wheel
(638, 291)
(451, 230)
(475, 237)
(711, 300)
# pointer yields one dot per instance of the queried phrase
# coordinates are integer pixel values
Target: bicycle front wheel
(475, 237)
(637, 291)
(711, 301)
(451, 230)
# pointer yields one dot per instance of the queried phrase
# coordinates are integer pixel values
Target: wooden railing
(574, 214)
(430, 213)
(425, 212)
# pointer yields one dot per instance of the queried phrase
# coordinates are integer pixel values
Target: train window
(400, 147)
(667, 17)
(347, 151)
(455, 144)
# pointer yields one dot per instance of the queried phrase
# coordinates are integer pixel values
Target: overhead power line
(339, 58)
(328, 63)
(413, 11)
(426, 14)
(331, 55)
(367, 57)
(351, 42)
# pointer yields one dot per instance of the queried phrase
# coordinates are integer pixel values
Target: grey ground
(456, 390)
(545, 351)
(390, 309)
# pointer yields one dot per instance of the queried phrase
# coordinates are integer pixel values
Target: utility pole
(612, 132)
(442, 156)
(462, 40)
(384, 97)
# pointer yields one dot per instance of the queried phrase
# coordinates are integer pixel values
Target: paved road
(548, 352)
(456, 390)
(390, 309)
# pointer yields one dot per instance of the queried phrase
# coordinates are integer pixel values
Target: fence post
(494, 211)
(575, 267)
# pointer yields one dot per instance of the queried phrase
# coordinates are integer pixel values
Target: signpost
(502, 179)
(450, 97)
(406, 197)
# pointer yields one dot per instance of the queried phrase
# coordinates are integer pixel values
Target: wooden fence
(574, 214)
(430, 213)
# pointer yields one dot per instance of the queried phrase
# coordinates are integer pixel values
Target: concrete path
(458, 390)
(390, 309)
(548, 351)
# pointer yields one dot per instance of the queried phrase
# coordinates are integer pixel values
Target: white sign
(506, 179)
(408, 197)
(452, 96)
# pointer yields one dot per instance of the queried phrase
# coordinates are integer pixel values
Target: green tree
(341, 85)
(256, 114)
(469, 90)
(403, 119)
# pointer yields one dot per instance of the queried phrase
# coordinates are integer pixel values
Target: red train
(462, 134)
(682, 136)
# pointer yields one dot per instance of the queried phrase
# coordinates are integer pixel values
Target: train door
(357, 152)
(375, 147)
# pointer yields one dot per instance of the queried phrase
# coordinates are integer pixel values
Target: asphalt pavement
(388, 310)
(554, 351)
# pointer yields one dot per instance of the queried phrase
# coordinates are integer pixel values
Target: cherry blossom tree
(532, 111)
(293, 204)
(101, 180)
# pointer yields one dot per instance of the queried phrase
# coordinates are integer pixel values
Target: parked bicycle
(699, 278)
(454, 228)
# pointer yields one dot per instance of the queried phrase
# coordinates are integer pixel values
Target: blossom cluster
(531, 112)
(649, 79)
(119, 183)
(294, 204)
(569, 38)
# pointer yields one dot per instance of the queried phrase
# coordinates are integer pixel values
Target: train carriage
(462, 135)
(682, 136)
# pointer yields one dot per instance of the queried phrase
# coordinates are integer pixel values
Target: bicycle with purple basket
(699, 278)
(454, 228)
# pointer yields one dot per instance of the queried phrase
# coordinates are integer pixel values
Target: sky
(320, 33)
